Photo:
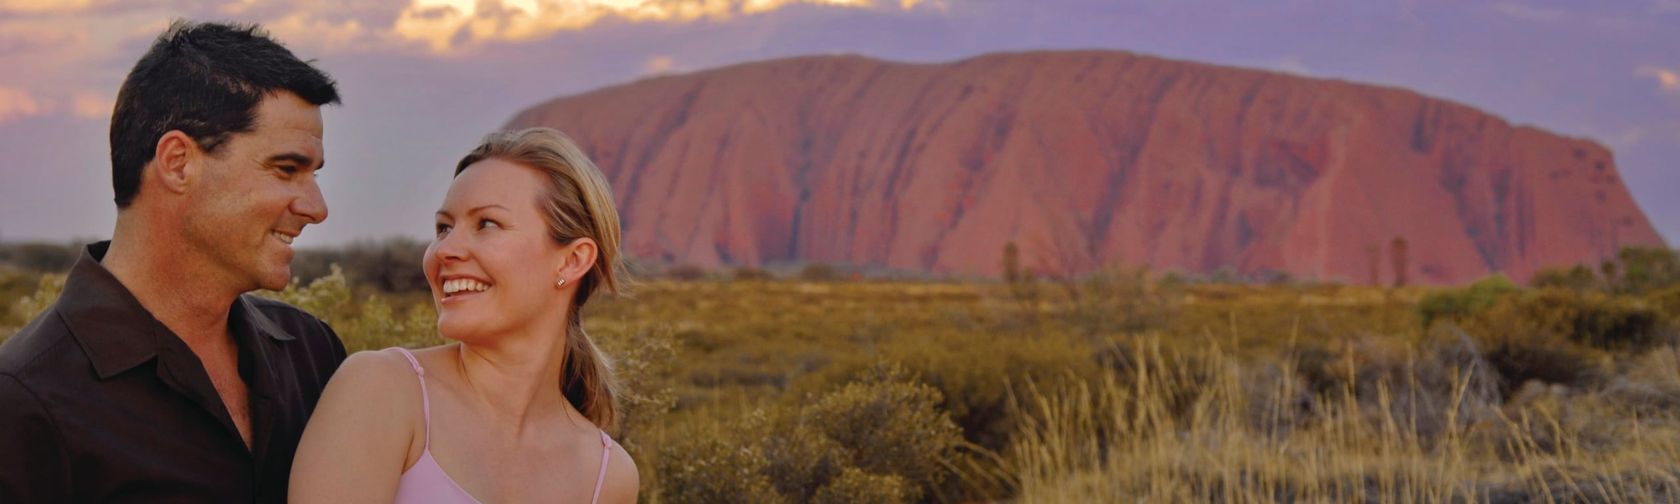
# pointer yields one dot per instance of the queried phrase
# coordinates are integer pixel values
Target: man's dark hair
(204, 79)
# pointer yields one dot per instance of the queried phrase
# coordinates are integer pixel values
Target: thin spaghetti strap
(606, 451)
(425, 400)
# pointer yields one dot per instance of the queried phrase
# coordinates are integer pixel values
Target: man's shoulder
(42, 338)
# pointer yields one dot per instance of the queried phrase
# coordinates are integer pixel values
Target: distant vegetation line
(393, 265)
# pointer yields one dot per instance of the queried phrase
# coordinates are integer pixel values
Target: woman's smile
(458, 288)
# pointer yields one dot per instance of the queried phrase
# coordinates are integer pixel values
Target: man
(155, 377)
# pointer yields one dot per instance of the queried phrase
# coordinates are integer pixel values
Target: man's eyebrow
(297, 158)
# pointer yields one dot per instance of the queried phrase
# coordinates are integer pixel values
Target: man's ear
(173, 166)
(578, 258)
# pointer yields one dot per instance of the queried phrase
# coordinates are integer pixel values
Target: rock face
(1085, 160)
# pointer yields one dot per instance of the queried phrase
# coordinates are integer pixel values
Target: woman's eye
(442, 228)
(487, 223)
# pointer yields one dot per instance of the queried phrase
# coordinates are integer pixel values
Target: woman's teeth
(463, 285)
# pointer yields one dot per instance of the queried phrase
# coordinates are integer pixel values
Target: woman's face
(492, 267)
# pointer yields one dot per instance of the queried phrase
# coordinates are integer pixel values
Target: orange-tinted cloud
(92, 105)
(302, 28)
(1667, 79)
(659, 64)
(17, 103)
(757, 6)
(51, 8)
(447, 25)
(44, 6)
(437, 26)
(57, 43)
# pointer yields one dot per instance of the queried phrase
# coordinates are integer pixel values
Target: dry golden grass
(1116, 388)
(1208, 427)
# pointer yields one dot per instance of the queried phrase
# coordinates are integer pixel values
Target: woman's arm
(362, 433)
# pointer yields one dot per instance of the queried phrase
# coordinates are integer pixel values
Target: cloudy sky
(423, 79)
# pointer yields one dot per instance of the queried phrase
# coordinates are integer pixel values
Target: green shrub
(40, 257)
(1667, 304)
(327, 297)
(1456, 304)
(371, 324)
(819, 272)
(685, 272)
(391, 265)
(1577, 278)
(28, 307)
(1524, 338)
(1592, 319)
(883, 431)
(720, 467)
(802, 459)
(1539, 358)
(855, 486)
(890, 426)
(973, 371)
(15, 285)
(642, 360)
(751, 274)
(1616, 323)
(1119, 301)
(377, 325)
(1647, 268)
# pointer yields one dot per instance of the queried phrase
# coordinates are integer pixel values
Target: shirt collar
(255, 321)
(117, 332)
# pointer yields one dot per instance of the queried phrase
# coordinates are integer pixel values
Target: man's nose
(311, 204)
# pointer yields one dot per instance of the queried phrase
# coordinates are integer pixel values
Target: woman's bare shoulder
(623, 482)
(363, 433)
(368, 389)
(374, 372)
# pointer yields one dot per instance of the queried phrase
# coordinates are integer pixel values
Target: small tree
(1373, 262)
(752, 274)
(1398, 250)
(1022, 284)
(1648, 268)
(1011, 263)
(818, 272)
(1578, 278)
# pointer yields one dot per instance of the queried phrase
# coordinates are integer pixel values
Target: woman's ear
(575, 261)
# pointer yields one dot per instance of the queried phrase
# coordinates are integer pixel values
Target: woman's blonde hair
(577, 203)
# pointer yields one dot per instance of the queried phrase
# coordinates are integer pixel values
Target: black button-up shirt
(100, 402)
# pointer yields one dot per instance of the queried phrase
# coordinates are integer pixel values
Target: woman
(513, 411)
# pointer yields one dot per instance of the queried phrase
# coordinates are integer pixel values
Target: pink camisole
(426, 483)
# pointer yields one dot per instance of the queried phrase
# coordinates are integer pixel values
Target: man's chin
(275, 280)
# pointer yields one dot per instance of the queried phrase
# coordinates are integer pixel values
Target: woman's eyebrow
(473, 210)
(476, 209)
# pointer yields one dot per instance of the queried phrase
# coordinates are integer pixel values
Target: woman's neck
(516, 377)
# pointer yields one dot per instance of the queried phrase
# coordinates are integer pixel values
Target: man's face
(257, 193)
